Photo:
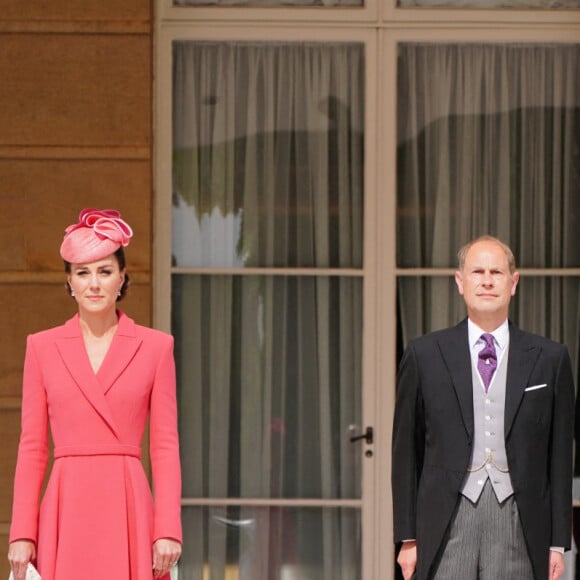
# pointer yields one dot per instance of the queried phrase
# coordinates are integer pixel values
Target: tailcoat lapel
(522, 357)
(454, 347)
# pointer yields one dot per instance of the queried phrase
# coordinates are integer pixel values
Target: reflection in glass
(268, 154)
(549, 306)
(270, 543)
(488, 143)
(269, 385)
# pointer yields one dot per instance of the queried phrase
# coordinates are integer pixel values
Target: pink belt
(105, 449)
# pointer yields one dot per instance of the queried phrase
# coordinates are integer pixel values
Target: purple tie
(487, 360)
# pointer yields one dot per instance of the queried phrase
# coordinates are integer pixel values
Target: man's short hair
(461, 255)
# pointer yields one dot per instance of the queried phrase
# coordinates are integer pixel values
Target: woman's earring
(72, 292)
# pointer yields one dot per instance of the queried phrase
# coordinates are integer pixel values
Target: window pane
(426, 304)
(488, 143)
(269, 385)
(246, 543)
(268, 154)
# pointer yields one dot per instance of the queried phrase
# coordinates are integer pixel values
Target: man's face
(485, 281)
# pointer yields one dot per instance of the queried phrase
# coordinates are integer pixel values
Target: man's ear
(459, 281)
(515, 280)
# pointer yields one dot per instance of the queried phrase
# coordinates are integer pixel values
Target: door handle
(367, 436)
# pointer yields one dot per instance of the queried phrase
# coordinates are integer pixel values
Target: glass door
(267, 286)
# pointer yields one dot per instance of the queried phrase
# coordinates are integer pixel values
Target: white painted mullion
(273, 502)
(162, 177)
(386, 311)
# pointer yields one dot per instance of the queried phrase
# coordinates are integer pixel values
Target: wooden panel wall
(76, 95)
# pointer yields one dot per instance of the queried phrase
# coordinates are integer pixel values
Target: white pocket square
(533, 388)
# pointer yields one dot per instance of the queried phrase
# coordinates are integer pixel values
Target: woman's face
(96, 285)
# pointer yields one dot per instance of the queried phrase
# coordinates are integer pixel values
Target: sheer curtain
(268, 172)
(489, 142)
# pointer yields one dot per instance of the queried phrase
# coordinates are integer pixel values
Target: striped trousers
(485, 542)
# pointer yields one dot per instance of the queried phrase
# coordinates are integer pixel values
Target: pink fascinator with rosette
(98, 234)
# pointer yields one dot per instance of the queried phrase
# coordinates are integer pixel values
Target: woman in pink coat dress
(93, 382)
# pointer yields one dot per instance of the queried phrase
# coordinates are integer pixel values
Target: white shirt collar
(501, 334)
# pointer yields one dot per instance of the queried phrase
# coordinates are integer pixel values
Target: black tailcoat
(433, 434)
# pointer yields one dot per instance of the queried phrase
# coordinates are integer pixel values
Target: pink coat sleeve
(164, 449)
(32, 451)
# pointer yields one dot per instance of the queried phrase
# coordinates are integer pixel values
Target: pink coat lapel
(123, 348)
(94, 387)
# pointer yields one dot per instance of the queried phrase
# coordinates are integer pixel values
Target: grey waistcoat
(488, 460)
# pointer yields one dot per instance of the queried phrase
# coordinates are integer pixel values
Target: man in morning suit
(482, 439)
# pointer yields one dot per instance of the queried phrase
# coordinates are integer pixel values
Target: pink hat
(98, 234)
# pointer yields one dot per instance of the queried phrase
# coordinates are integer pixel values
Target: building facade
(299, 176)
